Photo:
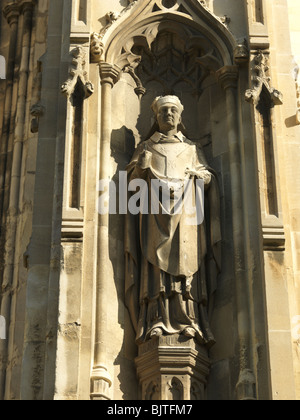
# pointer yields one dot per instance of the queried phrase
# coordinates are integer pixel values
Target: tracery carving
(175, 57)
(178, 8)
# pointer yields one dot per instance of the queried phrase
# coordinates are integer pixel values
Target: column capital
(228, 76)
(109, 73)
(11, 12)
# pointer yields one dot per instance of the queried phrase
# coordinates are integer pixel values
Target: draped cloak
(171, 266)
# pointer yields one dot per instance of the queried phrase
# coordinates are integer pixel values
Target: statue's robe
(172, 265)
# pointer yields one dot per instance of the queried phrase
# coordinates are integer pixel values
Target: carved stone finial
(261, 81)
(77, 73)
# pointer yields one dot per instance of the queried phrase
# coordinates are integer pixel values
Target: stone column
(100, 379)
(228, 77)
(11, 13)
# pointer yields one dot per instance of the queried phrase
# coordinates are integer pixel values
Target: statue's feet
(189, 332)
(156, 332)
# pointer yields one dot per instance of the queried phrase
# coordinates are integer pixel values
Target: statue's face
(168, 117)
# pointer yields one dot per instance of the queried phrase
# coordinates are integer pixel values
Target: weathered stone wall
(23, 42)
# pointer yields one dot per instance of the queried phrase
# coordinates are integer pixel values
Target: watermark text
(2, 328)
(160, 196)
(2, 67)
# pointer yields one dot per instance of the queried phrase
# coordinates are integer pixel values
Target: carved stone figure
(171, 264)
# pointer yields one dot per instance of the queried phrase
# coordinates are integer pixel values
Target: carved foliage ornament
(262, 81)
(77, 74)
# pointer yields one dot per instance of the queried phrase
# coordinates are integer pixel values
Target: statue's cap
(162, 100)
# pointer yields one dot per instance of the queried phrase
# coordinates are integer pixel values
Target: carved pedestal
(172, 368)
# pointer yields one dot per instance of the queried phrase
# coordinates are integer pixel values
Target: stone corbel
(241, 53)
(36, 111)
(262, 80)
(96, 48)
(77, 73)
(109, 74)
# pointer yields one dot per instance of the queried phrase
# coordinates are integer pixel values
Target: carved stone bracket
(37, 111)
(172, 368)
(241, 53)
(78, 73)
(261, 81)
(109, 74)
(97, 48)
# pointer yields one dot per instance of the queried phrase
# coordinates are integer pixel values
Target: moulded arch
(144, 19)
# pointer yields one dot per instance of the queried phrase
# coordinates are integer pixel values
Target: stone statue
(171, 265)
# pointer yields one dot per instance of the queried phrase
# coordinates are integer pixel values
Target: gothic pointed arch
(138, 26)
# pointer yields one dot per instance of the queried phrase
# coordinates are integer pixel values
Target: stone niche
(151, 49)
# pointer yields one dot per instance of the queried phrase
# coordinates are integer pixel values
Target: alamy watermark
(2, 67)
(169, 197)
(2, 328)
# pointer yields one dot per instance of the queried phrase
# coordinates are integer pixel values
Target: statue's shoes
(189, 332)
(156, 332)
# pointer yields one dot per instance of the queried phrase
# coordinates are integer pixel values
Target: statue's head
(168, 110)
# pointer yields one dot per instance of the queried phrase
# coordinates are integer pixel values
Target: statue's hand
(205, 175)
(144, 160)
